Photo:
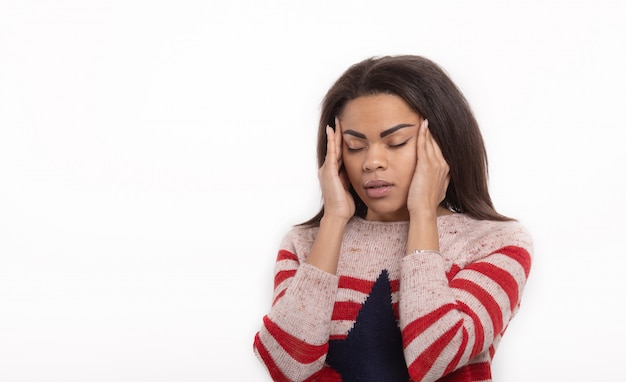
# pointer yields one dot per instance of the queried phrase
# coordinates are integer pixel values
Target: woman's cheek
(408, 159)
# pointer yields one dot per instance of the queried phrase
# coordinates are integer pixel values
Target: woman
(407, 272)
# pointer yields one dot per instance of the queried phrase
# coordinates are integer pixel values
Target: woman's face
(380, 153)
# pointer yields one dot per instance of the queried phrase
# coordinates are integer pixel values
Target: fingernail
(328, 129)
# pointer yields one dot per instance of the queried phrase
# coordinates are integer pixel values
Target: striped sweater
(388, 316)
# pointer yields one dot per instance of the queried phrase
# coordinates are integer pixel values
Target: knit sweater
(389, 316)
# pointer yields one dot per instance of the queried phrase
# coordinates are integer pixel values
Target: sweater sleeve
(454, 318)
(293, 340)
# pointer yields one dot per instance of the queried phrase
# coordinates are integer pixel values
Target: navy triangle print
(372, 351)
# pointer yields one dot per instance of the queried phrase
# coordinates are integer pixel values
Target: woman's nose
(376, 159)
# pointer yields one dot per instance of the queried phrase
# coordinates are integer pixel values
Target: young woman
(407, 272)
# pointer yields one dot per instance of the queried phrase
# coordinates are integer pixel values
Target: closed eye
(399, 144)
(353, 149)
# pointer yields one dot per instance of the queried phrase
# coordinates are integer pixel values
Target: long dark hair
(428, 90)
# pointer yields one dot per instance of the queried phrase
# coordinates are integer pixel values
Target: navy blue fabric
(372, 351)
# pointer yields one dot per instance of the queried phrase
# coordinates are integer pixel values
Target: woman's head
(379, 153)
(432, 95)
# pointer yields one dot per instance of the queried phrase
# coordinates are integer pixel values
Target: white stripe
(448, 353)
(429, 336)
(494, 289)
(511, 266)
(477, 307)
(292, 369)
(341, 327)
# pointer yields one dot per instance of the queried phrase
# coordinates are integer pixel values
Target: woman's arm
(293, 341)
(428, 189)
(447, 320)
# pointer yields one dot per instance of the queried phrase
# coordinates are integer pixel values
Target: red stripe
(298, 349)
(346, 310)
(426, 359)
(364, 286)
(485, 299)
(479, 332)
(338, 337)
(282, 276)
(280, 295)
(359, 285)
(501, 277)
(286, 255)
(480, 371)
(417, 327)
(275, 372)
(457, 357)
(395, 285)
(454, 269)
(518, 254)
(473, 372)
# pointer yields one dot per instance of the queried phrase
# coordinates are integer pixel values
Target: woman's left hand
(431, 177)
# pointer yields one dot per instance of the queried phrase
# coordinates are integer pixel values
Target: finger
(331, 151)
(434, 151)
(429, 142)
(427, 156)
(421, 140)
(338, 139)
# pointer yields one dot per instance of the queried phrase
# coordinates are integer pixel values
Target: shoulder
(498, 234)
(472, 239)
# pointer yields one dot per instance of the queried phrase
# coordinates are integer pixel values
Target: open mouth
(377, 188)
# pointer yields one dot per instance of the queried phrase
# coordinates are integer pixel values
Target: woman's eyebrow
(392, 130)
(355, 133)
(383, 134)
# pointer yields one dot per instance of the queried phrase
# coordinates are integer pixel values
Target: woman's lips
(377, 188)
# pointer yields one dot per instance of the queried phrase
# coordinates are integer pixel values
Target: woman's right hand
(333, 178)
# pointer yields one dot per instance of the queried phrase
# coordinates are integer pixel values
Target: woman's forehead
(381, 115)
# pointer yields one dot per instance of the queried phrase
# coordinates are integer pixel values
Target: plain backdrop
(154, 153)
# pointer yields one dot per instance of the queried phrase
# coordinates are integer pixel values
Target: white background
(153, 154)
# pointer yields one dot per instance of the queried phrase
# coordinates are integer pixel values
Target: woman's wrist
(327, 245)
(334, 221)
(423, 251)
(423, 212)
(423, 232)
